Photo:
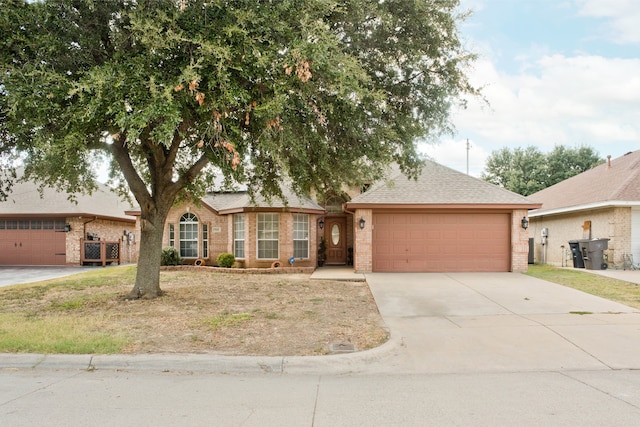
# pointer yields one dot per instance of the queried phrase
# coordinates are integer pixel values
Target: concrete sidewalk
(632, 276)
(337, 272)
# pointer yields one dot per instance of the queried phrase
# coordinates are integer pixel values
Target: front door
(336, 238)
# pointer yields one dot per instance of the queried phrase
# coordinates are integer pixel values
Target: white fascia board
(589, 206)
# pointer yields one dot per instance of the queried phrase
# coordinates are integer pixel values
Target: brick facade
(363, 242)
(519, 242)
(104, 230)
(612, 223)
(221, 237)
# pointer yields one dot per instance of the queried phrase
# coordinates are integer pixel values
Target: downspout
(84, 226)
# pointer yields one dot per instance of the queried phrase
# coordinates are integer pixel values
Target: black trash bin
(576, 252)
(593, 254)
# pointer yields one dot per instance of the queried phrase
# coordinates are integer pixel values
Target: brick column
(363, 240)
(519, 242)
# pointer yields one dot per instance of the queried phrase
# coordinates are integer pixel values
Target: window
(300, 236)
(172, 236)
(268, 234)
(189, 236)
(238, 236)
(205, 240)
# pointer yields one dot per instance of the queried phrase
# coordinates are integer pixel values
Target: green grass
(54, 334)
(612, 289)
(227, 320)
(101, 277)
(54, 327)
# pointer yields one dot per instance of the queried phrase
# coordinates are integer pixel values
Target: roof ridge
(630, 179)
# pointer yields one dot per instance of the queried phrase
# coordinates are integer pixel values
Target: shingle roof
(617, 182)
(438, 185)
(25, 200)
(241, 200)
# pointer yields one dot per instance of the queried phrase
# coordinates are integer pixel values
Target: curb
(203, 363)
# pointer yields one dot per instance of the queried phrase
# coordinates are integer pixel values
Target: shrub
(226, 260)
(170, 256)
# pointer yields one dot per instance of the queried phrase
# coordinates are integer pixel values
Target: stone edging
(279, 270)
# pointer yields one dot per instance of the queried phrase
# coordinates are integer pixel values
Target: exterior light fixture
(524, 222)
(361, 223)
(67, 228)
(321, 223)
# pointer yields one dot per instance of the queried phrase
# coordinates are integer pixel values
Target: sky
(554, 72)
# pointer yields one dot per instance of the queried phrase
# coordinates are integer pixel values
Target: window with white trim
(300, 236)
(205, 240)
(172, 236)
(268, 235)
(189, 236)
(238, 236)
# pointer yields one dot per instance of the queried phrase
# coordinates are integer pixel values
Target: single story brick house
(48, 229)
(444, 221)
(602, 203)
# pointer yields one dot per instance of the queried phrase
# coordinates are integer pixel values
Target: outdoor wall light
(321, 223)
(524, 222)
(67, 228)
(361, 223)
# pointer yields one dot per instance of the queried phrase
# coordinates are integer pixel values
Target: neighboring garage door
(32, 242)
(441, 242)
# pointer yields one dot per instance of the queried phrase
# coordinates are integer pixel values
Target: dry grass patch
(207, 312)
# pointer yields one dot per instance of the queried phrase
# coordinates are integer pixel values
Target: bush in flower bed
(226, 260)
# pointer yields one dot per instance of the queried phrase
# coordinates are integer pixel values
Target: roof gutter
(423, 206)
(588, 206)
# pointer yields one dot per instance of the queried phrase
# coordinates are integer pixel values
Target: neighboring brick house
(603, 202)
(48, 229)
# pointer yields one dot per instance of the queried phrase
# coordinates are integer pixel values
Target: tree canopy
(526, 171)
(177, 92)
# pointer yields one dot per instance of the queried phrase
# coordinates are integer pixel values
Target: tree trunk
(149, 258)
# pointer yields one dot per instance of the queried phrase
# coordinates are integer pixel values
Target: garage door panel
(35, 242)
(430, 242)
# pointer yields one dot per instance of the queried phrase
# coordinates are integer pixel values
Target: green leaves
(526, 171)
(318, 92)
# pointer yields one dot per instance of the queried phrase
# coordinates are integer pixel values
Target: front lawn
(612, 289)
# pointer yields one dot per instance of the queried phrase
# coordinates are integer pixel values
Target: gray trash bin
(593, 253)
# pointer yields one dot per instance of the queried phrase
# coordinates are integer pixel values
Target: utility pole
(468, 146)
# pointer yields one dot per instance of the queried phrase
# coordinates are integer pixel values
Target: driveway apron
(501, 322)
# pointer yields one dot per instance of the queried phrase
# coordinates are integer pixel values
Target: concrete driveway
(501, 322)
(28, 274)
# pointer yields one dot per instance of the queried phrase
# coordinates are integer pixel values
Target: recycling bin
(593, 254)
(576, 252)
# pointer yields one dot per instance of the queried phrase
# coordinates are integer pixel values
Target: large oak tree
(175, 92)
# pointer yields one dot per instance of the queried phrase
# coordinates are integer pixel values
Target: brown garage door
(32, 242)
(441, 242)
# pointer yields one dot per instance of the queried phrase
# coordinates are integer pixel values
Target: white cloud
(582, 100)
(623, 17)
(453, 153)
